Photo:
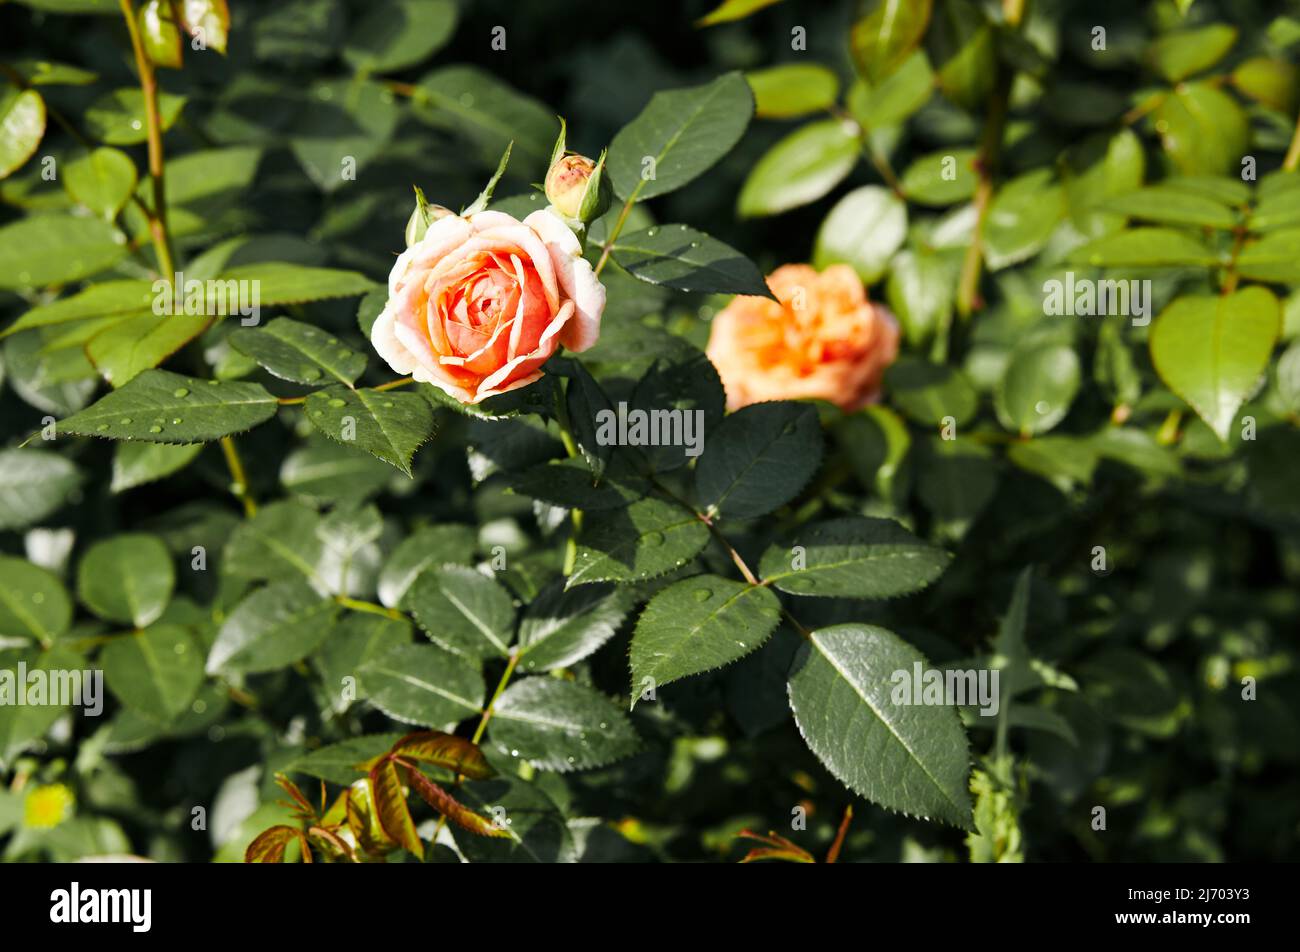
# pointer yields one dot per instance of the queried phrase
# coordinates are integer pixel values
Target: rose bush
(524, 518)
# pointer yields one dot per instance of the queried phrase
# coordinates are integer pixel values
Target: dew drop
(180, 392)
(514, 753)
(102, 427)
(702, 594)
(155, 429)
(654, 538)
(38, 598)
(336, 403)
(125, 421)
(652, 232)
(695, 244)
(1042, 406)
(311, 373)
(176, 421)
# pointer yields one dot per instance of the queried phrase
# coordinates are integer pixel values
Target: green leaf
(281, 542)
(1272, 82)
(696, 625)
(648, 538)
(920, 290)
(561, 627)
(135, 464)
(1213, 350)
(1276, 210)
(102, 181)
(1065, 461)
(863, 230)
(570, 484)
(462, 610)
(683, 132)
(692, 386)
(676, 256)
(22, 124)
(162, 407)
(391, 426)
(343, 125)
(127, 579)
(43, 72)
(758, 459)
(1275, 257)
(801, 168)
(128, 347)
(962, 48)
(927, 393)
(395, 34)
(941, 178)
(271, 628)
(33, 602)
(1180, 54)
(156, 671)
(1203, 129)
(1145, 247)
(22, 724)
(792, 90)
(55, 249)
(560, 725)
(1037, 388)
(901, 94)
(885, 33)
(34, 483)
(1174, 205)
(488, 112)
(337, 763)
(358, 637)
(912, 758)
(281, 283)
(431, 546)
(299, 352)
(423, 684)
(1021, 217)
(730, 10)
(106, 299)
(853, 557)
(955, 481)
(117, 118)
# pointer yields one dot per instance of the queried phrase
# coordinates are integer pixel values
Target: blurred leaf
(33, 602)
(117, 118)
(55, 249)
(1145, 247)
(941, 178)
(1213, 351)
(792, 90)
(927, 393)
(801, 168)
(1176, 206)
(962, 49)
(900, 95)
(488, 112)
(102, 180)
(1040, 383)
(396, 34)
(884, 34)
(156, 671)
(730, 10)
(1273, 82)
(1178, 55)
(22, 124)
(1203, 129)
(34, 483)
(1022, 216)
(127, 579)
(429, 547)
(271, 628)
(863, 230)
(298, 352)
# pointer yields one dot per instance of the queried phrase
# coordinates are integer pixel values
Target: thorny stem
(239, 479)
(1292, 160)
(153, 125)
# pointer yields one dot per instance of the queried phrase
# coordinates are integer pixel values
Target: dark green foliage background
(1202, 538)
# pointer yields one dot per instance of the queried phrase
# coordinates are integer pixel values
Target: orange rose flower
(824, 340)
(478, 304)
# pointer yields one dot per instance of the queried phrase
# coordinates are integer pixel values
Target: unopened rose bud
(577, 188)
(422, 217)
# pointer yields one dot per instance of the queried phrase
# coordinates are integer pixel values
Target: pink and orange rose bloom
(824, 340)
(480, 303)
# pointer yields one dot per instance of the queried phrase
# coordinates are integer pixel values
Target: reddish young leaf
(451, 808)
(269, 845)
(390, 806)
(444, 750)
(778, 847)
